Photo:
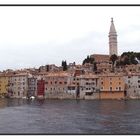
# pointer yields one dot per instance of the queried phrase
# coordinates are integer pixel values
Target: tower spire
(112, 39)
(111, 19)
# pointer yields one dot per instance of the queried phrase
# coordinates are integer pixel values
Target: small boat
(32, 97)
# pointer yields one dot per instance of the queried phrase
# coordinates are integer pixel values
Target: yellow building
(3, 85)
(111, 86)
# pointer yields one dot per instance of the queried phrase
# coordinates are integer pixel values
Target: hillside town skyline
(100, 76)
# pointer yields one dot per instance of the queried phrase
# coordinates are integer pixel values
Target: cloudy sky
(35, 36)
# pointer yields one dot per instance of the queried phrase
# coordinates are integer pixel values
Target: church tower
(112, 39)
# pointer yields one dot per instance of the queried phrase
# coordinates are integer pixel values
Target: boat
(32, 97)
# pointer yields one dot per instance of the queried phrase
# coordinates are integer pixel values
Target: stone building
(56, 85)
(18, 85)
(41, 88)
(111, 86)
(89, 88)
(132, 81)
(32, 86)
(4, 81)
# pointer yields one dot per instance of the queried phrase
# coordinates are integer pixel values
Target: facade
(132, 85)
(32, 86)
(47, 68)
(112, 39)
(104, 67)
(18, 85)
(111, 86)
(89, 88)
(56, 85)
(132, 68)
(4, 80)
(41, 88)
(100, 58)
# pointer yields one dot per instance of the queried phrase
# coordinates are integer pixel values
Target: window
(138, 81)
(55, 82)
(119, 88)
(102, 83)
(110, 83)
(110, 88)
(139, 86)
(110, 78)
(60, 82)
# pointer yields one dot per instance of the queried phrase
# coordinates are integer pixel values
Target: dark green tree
(88, 60)
(64, 65)
(113, 58)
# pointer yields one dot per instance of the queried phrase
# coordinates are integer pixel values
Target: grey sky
(34, 36)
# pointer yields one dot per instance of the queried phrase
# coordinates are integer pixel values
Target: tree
(88, 60)
(64, 65)
(113, 58)
(133, 59)
(126, 60)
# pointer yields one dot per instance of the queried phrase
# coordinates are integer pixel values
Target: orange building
(111, 86)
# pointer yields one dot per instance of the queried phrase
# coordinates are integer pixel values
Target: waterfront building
(132, 81)
(56, 85)
(40, 88)
(89, 88)
(111, 86)
(32, 86)
(18, 85)
(73, 84)
(4, 80)
(112, 39)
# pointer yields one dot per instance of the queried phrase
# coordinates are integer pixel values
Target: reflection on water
(22, 116)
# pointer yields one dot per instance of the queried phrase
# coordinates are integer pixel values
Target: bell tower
(112, 39)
